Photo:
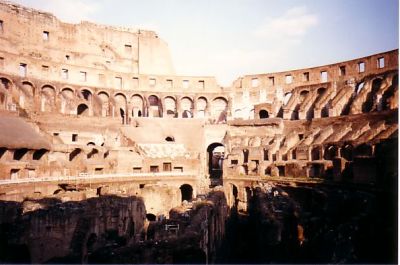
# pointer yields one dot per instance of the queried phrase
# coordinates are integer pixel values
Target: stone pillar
(322, 152)
(317, 113)
(178, 107)
(338, 151)
(126, 118)
(194, 109)
(309, 150)
(338, 167)
(145, 106)
(164, 109)
(229, 108)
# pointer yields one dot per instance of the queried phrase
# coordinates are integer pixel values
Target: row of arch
(138, 105)
(346, 151)
(85, 101)
(21, 153)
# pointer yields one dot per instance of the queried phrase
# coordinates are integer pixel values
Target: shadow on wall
(312, 224)
(49, 230)
(110, 229)
(191, 235)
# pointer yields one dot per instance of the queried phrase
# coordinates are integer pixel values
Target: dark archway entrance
(151, 217)
(215, 160)
(263, 114)
(235, 195)
(83, 109)
(368, 105)
(186, 192)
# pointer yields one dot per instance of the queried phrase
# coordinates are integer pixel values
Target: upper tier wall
(39, 38)
(338, 72)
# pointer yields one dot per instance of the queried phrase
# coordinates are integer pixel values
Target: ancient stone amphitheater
(108, 156)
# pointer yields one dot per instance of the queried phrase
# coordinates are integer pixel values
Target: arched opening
(170, 139)
(215, 159)
(153, 100)
(315, 154)
(67, 97)
(20, 153)
(6, 83)
(74, 154)
(263, 114)
(371, 97)
(90, 144)
(219, 107)
(303, 95)
(330, 152)
(26, 96)
(170, 106)
(186, 192)
(105, 103)
(201, 106)
(82, 110)
(320, 92)
(347, 152)
(93, 154)
(47, 98)
(86, 94)
(187, 107)
(120, 106)
(151, 217)
(286, 98)
(38, 154)
(137, 105)
(155, 109)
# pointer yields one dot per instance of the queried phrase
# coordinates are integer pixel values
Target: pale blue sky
(229, 38)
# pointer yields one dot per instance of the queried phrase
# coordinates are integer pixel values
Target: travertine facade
(94, 104)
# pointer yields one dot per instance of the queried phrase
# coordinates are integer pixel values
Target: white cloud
(72, 11)
(290, 27)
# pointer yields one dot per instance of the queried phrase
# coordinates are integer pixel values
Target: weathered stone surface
(107, 155)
